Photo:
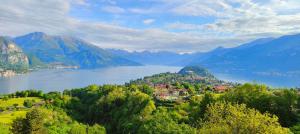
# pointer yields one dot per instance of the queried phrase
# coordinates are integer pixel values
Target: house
(161, 86)
(39, 104)
(220, 88)
(169, 92)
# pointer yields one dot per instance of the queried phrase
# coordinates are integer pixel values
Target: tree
(295, 129)
(28, 103)
(32, 124)
(285, 107)
(122, 112)
(147, 89)
(15, 105)
(283, 103)
(201, 104)
(35, 121)
(96, 129)
(223, 117)
(5, 98)
(78, 129)
(162, 123)
(18, 126)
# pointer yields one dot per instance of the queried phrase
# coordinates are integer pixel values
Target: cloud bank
(161, 26)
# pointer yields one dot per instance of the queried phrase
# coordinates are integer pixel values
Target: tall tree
(234, 118)
(32, 124)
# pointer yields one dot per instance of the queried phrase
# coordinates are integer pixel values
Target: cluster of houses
(169, 92)
(172, 93)
(221, 88)
(6, 73)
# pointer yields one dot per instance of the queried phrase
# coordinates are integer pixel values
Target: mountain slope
(196, 70)
(12, 57)
(280, 55)
(153, 58)
(67, 51)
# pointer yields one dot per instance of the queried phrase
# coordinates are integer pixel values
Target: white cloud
(152, 10)
(237, 21)
(148, 21)
(81, 2)
(113, 9)
(240, 18)
(18, 18)
(201, 7)
(183, 26)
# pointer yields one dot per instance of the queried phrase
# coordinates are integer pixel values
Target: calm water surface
(276, 81)
(58, 80)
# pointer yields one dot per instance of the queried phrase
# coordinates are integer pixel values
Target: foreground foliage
(227, 118)
(247, 108)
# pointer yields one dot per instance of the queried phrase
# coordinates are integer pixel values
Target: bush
(28, 103)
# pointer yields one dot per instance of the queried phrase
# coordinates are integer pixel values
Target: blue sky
(169, 25)
(134, 14)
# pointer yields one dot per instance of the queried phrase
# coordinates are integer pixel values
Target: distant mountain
(12, 57)
(153, 58)
(278, 55)
(68, 51)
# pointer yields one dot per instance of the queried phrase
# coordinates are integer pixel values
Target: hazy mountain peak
(36, 35)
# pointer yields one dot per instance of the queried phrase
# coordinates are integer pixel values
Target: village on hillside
(182, 85)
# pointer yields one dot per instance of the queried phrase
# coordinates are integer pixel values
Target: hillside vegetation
(161, 107)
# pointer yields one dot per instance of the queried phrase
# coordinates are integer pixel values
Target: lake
(60, 79)
(276, 80)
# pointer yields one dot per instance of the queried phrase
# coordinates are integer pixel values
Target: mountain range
(153, 58)
(263, 55)
(41, 50)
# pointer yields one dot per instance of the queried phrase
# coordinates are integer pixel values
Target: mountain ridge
(67, 51)
(152, 58)
(271, 54)
(12, 57)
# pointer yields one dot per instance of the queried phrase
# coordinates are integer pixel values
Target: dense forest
(186, 107)
(247, 108)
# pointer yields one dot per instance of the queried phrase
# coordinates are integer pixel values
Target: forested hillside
(133, 109)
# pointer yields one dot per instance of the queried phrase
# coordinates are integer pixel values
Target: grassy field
(18, 101)
(7, 117)
(4, 129)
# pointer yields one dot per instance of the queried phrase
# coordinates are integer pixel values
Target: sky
(155, 25)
